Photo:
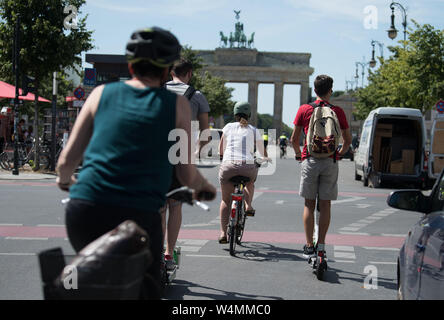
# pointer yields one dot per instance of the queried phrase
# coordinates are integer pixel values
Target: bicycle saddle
(239, 179)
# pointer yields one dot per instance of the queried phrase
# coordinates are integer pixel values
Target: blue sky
(336, 32)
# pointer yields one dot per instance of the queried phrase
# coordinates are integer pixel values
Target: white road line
(17, 254)
(381, 214)
(190, 248)
(193, 242)
(345, 255)
(374, 217)
(366, 221)
(342, 261)
(355, 233)
(393, 235)
(198, 225)
(363, 205)
(352, 199)
(349, 229)
(382, 262)
(24, 238)
(381, 248)
(344, 248)
(50, 225)
(206, 256)
(279, 202)
(11, 224)
(360, 225)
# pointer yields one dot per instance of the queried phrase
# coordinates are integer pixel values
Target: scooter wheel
(321, 268)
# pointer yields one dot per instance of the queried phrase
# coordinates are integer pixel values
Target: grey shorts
(319, 176)
(228, 170)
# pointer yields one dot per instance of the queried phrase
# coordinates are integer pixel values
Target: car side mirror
(412, 200)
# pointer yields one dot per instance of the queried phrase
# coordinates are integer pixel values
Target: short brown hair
(182, 67)
(322, 85)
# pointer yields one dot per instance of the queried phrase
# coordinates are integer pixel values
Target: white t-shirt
(240, 142)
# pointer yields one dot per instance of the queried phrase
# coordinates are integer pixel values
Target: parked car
(350, 154)
(392, 148)
(436, 154)
(420, 269)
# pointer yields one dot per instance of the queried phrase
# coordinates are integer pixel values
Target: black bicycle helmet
(156, 45)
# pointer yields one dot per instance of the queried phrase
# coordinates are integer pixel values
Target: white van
(392, 148)
(436, 156)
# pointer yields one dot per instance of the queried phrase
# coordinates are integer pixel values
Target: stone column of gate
(278, 102)
(252, 99)
(304, 93)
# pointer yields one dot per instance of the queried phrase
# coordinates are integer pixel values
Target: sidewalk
(25, 175)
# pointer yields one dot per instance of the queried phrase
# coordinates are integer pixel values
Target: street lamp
(392, 32)
(363, 64)
(381, 51)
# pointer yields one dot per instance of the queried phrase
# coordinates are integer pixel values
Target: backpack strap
(189, 93)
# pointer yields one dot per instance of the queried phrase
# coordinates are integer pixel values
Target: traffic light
(27, 85)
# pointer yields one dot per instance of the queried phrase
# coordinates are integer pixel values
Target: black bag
(112, 267)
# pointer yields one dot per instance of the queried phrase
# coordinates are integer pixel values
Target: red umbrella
(71, 98)
(8, 91)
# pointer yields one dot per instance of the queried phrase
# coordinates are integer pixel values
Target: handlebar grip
(206, 195)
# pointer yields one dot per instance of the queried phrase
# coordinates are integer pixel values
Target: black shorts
(87, 221)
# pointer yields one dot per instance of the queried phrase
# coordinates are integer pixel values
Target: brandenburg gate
(236, 60)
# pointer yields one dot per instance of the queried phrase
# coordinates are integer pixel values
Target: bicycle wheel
(240, 225)
(232, 234)
(5, 162)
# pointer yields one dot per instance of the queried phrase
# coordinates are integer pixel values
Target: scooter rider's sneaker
(169, 263)
(309, 252)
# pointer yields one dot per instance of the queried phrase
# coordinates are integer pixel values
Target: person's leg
(308, 219)
(173, 226)
(324, 219)
(248, 195)
(225, 205)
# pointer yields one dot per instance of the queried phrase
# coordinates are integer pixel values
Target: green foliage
(214, 89)
(45, 45)
(413, 77)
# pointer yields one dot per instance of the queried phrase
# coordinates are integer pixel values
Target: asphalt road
(364, 238)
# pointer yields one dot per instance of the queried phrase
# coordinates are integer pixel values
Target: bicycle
(283, 152)
(24, 156)
(238, 216)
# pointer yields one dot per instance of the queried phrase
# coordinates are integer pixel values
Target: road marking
(344, 252)
(358, 224)
(344, 248)
(51, 225)
(363, 205)
(352, 199)
(381, 248)
(279, 202)
(349, 229)
(381, 262)
(17, 254)
(206, 256)
(374, 217)
(355, 233)
(342, 261)
(25, 238)
(366, 221)
(393, 235)
(11, 224)
(193, 242)
(195, 225)
(382, 214)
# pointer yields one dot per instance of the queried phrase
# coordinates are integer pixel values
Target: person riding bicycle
(125, 176)
(283, 143)
(236, 148)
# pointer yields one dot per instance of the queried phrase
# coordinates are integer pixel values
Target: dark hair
(145, 68)
(182, 67)
(322, 85)
(239, 116)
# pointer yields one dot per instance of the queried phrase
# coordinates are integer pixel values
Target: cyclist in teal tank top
(122, 136)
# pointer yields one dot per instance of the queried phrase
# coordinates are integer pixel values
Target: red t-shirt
(303, 120)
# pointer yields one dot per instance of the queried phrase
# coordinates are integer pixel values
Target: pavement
(26, 175)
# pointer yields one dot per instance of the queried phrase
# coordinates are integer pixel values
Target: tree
(45, 44)
(413, 77)
(214, 89)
